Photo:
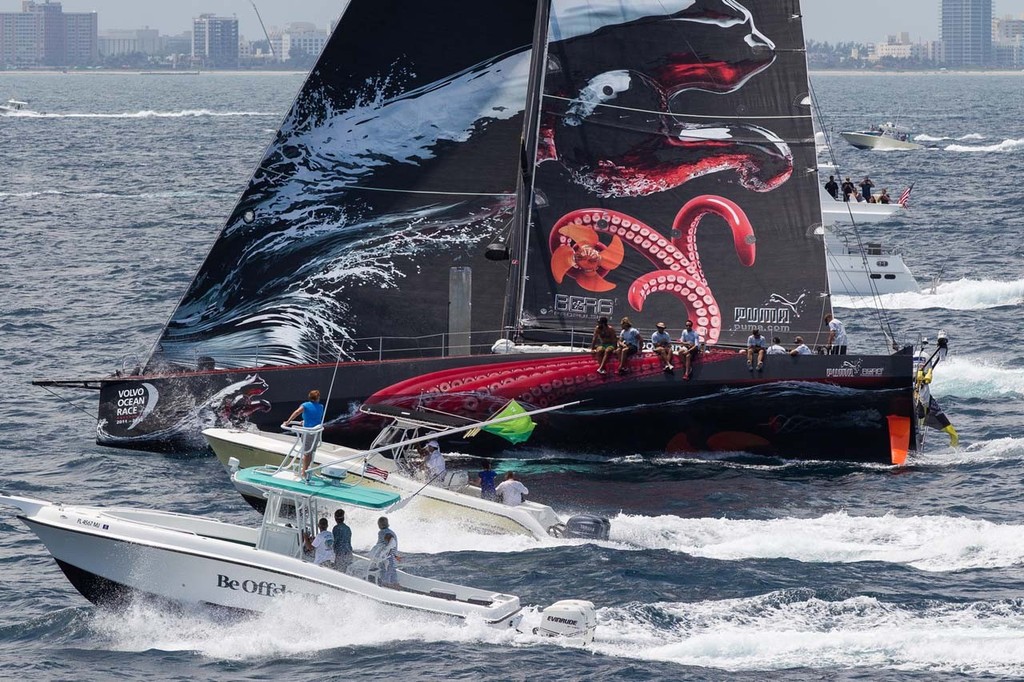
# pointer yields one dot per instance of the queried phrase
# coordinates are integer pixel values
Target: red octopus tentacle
(684, 228)
(695, 294)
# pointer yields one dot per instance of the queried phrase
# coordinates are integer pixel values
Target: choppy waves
(147, 113)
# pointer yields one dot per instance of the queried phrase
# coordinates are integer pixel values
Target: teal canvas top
(324, 488)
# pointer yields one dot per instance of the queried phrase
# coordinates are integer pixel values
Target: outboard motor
(574, 618)
(588, 527)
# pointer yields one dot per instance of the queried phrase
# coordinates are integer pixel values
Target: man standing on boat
(342, 541)
(433, 464)
(512, 491)
(836, 336)
(848, 189)
(865, 188)
(322, 545)
(385, 555)
(832, 187)
(312, 412)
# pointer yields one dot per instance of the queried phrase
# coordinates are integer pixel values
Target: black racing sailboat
(461, 189)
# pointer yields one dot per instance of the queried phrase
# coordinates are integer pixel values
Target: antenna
(265, 34)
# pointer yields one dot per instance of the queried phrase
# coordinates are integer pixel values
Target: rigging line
(658, 112)
(94, 417)
(880, 312)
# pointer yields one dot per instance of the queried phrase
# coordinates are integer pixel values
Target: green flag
(513, 430)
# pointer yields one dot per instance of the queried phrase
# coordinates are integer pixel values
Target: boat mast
(519, 237)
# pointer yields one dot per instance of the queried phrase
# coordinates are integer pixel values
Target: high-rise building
(967, 32)
(215, 41)
(42, 34)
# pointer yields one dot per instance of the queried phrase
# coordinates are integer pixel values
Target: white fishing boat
(261, 461)
(113, 554)
(13, 106)
(853, 212)
(885, 136)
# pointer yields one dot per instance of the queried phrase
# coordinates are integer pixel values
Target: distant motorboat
(885, 136)
(13, 106)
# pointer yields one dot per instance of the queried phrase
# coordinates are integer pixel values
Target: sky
(862, 21)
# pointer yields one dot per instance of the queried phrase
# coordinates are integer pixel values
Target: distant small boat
(13, 106)
(885, 136)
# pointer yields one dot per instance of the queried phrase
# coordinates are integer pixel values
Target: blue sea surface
(730, 569)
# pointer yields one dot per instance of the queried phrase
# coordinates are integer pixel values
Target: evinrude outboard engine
(574, 618)
(588, 527)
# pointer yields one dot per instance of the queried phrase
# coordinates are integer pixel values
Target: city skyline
(867, 21)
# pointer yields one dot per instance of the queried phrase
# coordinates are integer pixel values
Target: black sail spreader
(674, 175)
(398, 161)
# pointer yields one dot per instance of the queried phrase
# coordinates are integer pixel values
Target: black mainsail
(672, 179)
(397, 161)
(651, 159)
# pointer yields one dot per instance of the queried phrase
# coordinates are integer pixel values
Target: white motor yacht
(391, 465)
(112, 554)
(885, 136)
(13, 106)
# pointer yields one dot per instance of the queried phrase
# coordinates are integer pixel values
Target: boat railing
(379, 348)
(302, 436)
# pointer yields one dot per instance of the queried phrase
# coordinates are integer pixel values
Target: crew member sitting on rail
(756, 345)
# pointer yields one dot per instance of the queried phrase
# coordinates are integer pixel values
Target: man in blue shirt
(756, 345)
(661, 342)
(629, 343)
(342, 541)
(689, 349)
(312, 412)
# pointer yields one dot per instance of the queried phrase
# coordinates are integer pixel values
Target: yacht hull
(110, 558)
(461, 502)
(814, 407)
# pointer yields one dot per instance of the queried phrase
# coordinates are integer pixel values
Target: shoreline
(862, 72)
(151, 72)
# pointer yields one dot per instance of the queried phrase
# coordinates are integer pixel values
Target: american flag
(905, 197)
(382, 474)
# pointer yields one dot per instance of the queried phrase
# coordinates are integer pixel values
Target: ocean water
(728, 569)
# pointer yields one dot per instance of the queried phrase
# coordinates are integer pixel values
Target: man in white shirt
(434, 462)
(776, 347)
(756, 346)
(801, 348)
(322, 545)
(510, 491)
(689, 349)
(836, 336)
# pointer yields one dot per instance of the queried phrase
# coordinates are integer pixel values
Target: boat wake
(963, 294)
(794, 628)
(927, 543)
(962, 138)
(1008, 145)
(799, 629)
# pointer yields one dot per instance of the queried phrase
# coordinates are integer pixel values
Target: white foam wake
(928, 543)
(963, 294)
(971, 377)
(962, 138)
(773, 631)
(1008, 145)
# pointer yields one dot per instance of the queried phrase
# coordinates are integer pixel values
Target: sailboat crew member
(836, 336)
(312, 412)
(689, 350)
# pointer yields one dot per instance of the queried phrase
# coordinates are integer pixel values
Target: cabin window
(882, 263)
(874, 276)
(890, 276)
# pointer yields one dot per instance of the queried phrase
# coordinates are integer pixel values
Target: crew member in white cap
(433, 463)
